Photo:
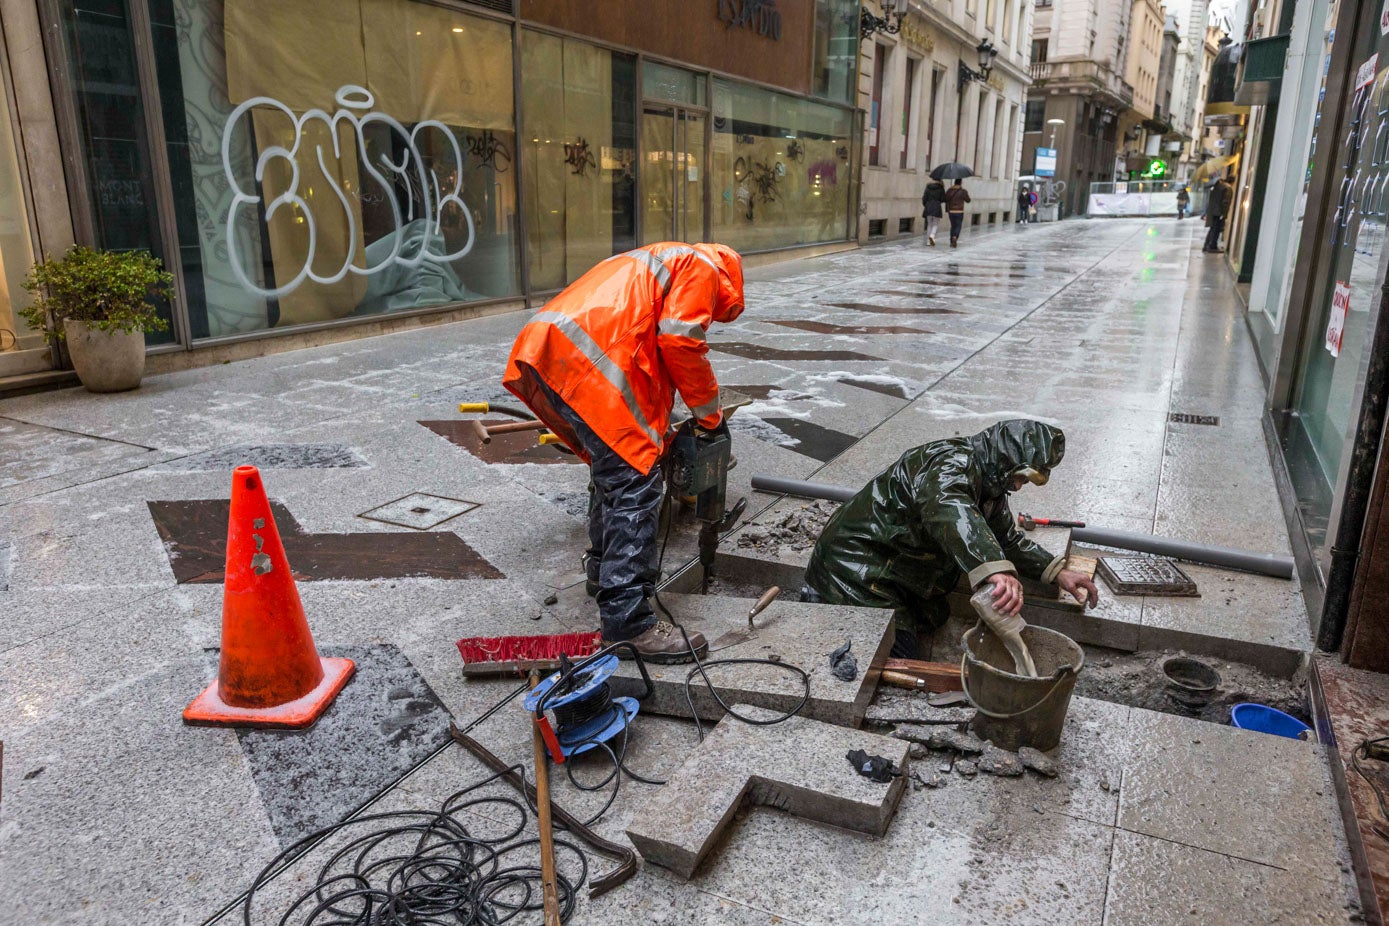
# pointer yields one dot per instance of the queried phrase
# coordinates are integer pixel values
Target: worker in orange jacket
(600, 364)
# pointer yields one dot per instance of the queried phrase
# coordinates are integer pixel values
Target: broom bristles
(524, 649)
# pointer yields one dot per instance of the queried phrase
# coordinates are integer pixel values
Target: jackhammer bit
(709, 540)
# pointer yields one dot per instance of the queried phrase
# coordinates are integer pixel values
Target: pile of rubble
(795, 530)
(974, 755)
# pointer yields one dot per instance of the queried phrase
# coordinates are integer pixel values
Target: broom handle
(549, 893)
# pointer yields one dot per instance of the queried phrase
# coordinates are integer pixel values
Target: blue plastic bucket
(1267, 719)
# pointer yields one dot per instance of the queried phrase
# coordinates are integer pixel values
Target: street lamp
(891, 23)
(1054, 123)
(987, 53)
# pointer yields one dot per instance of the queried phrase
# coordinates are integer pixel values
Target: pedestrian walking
(932, 202)
(955, 199)
(1024, 204)
(600, 366)
(1217, 208)
(1183, 203)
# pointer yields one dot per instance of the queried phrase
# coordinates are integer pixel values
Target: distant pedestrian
(1032, 201)
(1024, 204)
(1217, 208)
(1183, 203)
(933, 201)
(955, 199)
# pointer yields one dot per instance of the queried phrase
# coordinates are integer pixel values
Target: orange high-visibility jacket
(619, 340)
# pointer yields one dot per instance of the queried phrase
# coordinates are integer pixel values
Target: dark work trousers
(957, 224)
(624, 509)
(1213, 236)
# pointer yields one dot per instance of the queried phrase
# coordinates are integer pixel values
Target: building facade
(923, 109)
(1189, 70)
(1079, 92)
(1143, 125)
(331, 162)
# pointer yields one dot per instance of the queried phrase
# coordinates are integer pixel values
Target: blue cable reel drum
(586, 714)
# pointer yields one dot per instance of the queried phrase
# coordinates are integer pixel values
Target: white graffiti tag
(410, 171)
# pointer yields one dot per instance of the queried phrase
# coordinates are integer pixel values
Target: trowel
(741, 635)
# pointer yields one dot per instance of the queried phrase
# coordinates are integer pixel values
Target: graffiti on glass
(434, 185)
(759, 16)
(490, 151)
(578, 156)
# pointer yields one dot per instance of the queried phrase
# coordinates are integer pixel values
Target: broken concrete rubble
(796, 530)
(940, 738)
(1039, 762)
(995, 761)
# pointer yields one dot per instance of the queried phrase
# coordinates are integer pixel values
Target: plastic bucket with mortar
(1014, 710)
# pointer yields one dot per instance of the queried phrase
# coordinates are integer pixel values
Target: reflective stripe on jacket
(619, 341)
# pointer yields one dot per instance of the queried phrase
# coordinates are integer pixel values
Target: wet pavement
(114, 812)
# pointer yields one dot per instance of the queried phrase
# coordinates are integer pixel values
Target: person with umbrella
(956, 197)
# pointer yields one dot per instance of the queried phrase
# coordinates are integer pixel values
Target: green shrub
(107, 289)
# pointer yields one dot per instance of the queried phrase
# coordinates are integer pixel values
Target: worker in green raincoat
(940, 512)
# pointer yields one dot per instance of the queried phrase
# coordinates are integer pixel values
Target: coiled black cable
(423, 868)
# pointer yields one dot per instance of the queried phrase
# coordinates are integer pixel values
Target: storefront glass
(111, 122)
(836, 49)
(339, 158)
(579, 105)
(781, 169)
(16, 248)
(1331, 376)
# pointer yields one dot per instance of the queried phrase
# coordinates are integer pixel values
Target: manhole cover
(420, 511)
(1146, 575)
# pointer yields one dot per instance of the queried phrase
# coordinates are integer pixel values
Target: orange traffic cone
(270, 674)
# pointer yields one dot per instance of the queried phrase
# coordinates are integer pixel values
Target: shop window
(1035, 118)
(781, 169)
(676, 85)
(16, 246)
(836, 49)
(111, 125)
(579, 110)
(340, 158)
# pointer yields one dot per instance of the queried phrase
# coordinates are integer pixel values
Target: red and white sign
(1336, 327)
(1384, 19)
(1366, 74)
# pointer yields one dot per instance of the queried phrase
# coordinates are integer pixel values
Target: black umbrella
(954, 170)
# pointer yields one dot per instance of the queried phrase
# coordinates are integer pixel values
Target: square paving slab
(801, 635)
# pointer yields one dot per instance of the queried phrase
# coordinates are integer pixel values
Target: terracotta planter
(105, 361)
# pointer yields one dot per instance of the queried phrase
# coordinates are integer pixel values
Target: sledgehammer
(1027, 522)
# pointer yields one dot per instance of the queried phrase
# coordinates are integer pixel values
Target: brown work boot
(662, 642)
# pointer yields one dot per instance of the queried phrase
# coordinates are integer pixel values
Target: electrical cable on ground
(416, 868)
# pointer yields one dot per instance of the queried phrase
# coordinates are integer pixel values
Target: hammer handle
(515, 426)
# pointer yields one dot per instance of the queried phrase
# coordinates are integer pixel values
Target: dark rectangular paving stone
(827, 328)
(896, 390)
(385, 721)
(762, 352)
(893, 309)
(195, 535)
(516, 447)
(813, 440)
(764, 391)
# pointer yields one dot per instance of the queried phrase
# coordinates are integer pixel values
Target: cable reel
(585, 712)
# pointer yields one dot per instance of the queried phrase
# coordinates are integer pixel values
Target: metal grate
(501, 6)
(1146, 575)
(877, 228)
(1184, 418)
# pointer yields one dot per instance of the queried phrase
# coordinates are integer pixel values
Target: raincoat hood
(728, 301)
(1017, 447)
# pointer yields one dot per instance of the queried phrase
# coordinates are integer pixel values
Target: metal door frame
(679, 112)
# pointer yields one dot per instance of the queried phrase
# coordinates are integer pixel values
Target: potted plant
(99, 303)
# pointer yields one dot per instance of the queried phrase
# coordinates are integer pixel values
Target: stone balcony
(1082, 76)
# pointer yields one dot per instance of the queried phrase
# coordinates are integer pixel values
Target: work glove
(718, 430)
(1007, 627)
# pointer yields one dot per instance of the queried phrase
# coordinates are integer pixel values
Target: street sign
(1046, 162)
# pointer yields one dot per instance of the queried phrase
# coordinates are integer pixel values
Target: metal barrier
(1142, 197)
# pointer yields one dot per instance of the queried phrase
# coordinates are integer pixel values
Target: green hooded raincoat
(939, 512)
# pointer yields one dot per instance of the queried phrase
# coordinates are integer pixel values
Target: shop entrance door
(673, 181)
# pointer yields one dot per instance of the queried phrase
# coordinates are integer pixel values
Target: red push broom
(494, 656)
